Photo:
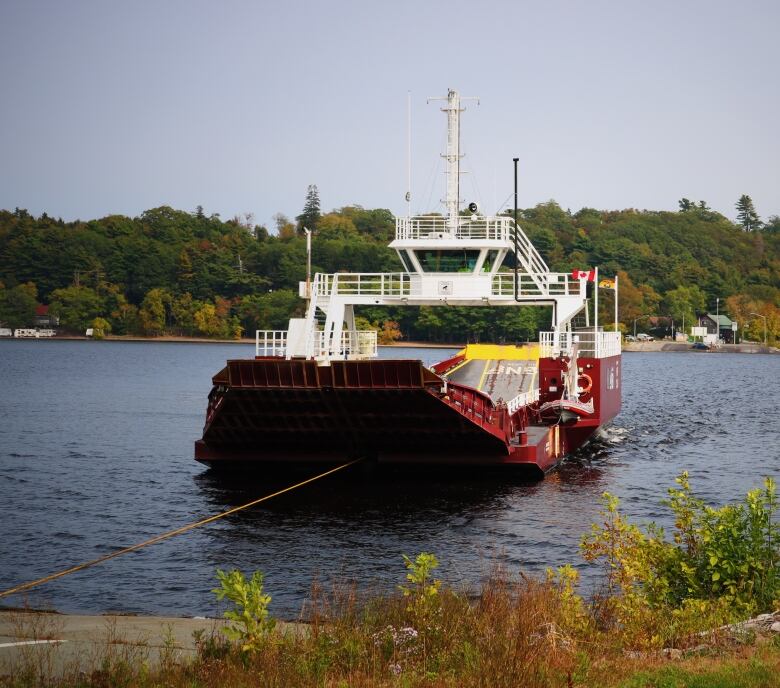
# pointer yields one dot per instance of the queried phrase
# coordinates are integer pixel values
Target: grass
(761, 669)
(652, 627)
(517, 631)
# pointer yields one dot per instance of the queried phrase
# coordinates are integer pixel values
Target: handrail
(273, 343)
(554, 284)
(363, 284)
(522, 399)
(399, 284)
(590, 344)
(438, 227)
(354, 344)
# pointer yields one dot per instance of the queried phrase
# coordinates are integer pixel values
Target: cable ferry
(316, 393)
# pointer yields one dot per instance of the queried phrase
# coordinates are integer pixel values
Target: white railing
(590, 344)
(553, 284)
(271, 343)
(359, 343)
(363, 284)
(527, 254)
(354, 344)
(438, 227)
(523, 399)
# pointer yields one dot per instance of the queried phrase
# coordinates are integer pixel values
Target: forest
(185, 273)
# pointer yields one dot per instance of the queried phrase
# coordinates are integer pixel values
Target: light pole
(641, 317)
(764, 317)
(307, 232)
(717, 321)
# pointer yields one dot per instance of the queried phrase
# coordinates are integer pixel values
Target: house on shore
(44, 319)
(721, 324)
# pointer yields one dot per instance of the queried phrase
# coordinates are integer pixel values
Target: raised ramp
(500, 379)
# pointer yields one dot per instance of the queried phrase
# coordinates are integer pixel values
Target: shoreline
(628, 347)
(174, 339)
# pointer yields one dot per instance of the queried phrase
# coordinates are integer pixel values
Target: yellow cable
(170, 533)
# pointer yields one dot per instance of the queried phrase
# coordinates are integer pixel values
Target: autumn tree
(636, 301)
(752, 315)
(183, 313)
(285, 229)
(100, 328)
(152, 312)
(336, 226)
(207, 321)
(390, 332)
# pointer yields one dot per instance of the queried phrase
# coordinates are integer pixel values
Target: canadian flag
(589, 275)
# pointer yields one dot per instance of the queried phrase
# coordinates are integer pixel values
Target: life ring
(588, 379)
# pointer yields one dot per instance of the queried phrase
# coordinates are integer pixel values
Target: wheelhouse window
(487, 266)
(447, 260)
(407, 261)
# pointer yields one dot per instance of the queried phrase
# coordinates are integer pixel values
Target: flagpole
(616, 302)
(596, 314)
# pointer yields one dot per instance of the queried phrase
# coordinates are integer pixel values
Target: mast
(453, 156)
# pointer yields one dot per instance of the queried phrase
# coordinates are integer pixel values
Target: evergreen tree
(311, 210)
(747, 215)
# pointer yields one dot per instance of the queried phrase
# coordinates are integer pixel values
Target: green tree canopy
(310, 217)
(747, 215)
(17, 305)
(76, 307)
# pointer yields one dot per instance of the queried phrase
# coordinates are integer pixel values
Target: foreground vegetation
(175, 272)
(662, 598)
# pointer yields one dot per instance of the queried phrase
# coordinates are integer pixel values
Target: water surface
(96, 442)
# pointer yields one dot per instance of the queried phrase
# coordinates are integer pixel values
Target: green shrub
(721, 565)
(251, 621)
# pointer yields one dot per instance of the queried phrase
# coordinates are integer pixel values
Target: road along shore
(682, 347)
(69, 643)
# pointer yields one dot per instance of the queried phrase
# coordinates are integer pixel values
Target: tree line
(188, 273)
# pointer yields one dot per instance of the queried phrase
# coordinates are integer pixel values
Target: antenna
(408, 153)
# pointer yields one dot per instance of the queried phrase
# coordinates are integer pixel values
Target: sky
(116, 107)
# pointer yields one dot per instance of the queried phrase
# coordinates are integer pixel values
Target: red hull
(278, 412)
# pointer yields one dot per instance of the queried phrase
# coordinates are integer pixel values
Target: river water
(96, 442)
